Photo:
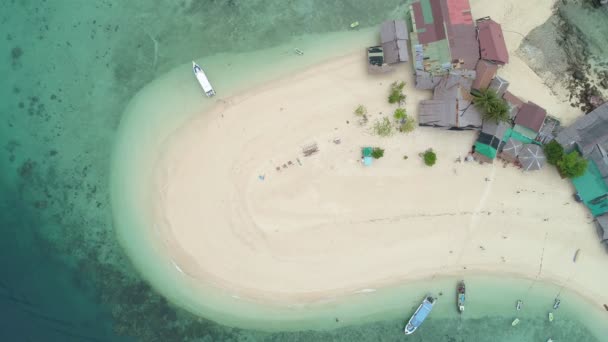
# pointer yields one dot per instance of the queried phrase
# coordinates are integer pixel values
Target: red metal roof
(531, 115)
(434, 31)
(485, 73)
(492, 42)
(461, 32)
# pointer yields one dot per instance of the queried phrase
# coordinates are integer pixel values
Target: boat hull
(420, 315)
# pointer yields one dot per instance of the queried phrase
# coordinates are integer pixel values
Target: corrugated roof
(485, 73)
(491, 41)
(393, 34)
(428, 32)
(587, 131)
(602, 222)
(461, 32)
(531, 116)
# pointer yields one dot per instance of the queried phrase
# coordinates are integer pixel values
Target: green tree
(383, 127)
(399, 114)
(430, 158)
(396, 95)
(492, 106)
(377, 153)
(361, 111)
(554, 152)
(572, 165)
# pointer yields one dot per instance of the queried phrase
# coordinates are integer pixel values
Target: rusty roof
(485, 73)
(531, 116)
(491, 41)
(461, 32)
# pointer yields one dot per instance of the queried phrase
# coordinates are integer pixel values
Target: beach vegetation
(405, 157)
(572, 165)
(396, 95)
(408, 125)
(377, 153)
(492, 106)
(400, 114)
(383, 127)
(554, 152)
(361, 111)
(430, 158)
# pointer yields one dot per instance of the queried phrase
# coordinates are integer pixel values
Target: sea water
(69, 70)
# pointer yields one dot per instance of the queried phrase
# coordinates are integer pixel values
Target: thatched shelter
(511, 150)
(532, 157)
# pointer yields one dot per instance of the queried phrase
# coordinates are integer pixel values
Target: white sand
(332, 226)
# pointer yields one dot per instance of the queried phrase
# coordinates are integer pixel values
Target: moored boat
(420, 315)
(556, 304)
(460, 295)
(519, 304)
(202, 79)
(550, 316)
(515, 322)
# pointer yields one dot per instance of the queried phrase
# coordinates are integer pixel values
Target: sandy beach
(326, 226)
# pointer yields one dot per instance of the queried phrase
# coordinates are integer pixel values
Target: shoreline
(242, 101)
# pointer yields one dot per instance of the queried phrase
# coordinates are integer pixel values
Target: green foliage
(430, 158)
(572, 165)
(491, 106)
(361, 111)
(554, 152)
(396, 94)
(383, 127)
(399, 114)
(408, 125)
(377, 153)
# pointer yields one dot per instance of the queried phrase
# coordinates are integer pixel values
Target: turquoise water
(69, 69)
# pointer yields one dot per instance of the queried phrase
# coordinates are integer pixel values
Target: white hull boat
(202, 79)
(420, 315)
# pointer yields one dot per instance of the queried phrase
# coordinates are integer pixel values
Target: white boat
(515, 322)
(550, 316)
(298, 51)
(519, 304)
(420, 315)
(202, 79)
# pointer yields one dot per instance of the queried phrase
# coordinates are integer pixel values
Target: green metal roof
(427, 11)
(591, 187)
(366, 151)
(486, 150)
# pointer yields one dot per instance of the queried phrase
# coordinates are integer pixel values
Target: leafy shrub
(361, 111)
(430, 158)
(554, 152)
(399, 114)
(377, 153)
(383, 127)
(408, 125)
(572, 165)
(396, 94)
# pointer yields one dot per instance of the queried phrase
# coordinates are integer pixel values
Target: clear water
(69, 69)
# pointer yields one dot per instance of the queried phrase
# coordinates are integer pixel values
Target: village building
(490, 140)
(443, 38)
(499, 85)
(601, 223)
(514, 103)
(375, 59)
(529, 120)
(485, 72)
(589, 136)
(531, 157)
(451, 106)
(394, 37)
(491, 41)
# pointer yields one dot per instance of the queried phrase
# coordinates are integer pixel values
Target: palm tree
(492, 107)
